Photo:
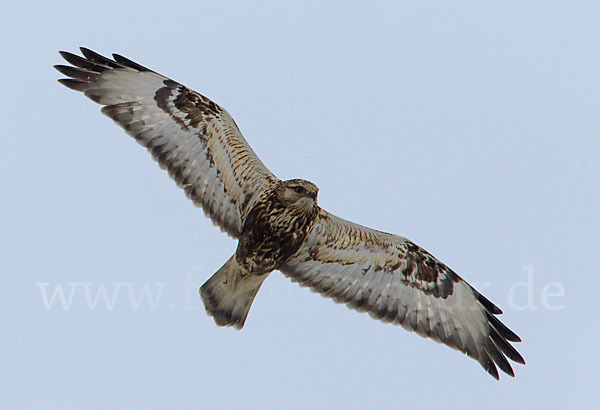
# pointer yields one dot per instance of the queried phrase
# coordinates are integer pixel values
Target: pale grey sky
(470, 127)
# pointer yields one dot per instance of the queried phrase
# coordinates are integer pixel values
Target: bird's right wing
(196, 140)
(396, 281)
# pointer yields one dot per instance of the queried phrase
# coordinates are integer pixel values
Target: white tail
(229, 293)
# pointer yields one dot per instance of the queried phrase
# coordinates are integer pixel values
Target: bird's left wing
(196, 140)
(396, 281)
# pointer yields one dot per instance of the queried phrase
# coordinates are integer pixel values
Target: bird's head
(299, 194)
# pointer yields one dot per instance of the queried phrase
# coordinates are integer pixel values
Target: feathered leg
(229, 293)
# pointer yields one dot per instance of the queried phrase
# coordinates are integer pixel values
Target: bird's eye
(299, 190)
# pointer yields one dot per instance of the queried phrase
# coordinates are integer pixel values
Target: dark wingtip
(86, 51)
(127, 62)
(498, 357)
(78, 61)
(506, 347)
(76, 85)
(98, 58)
(492, 370)
(501, 328)
(76, 73)
(488, 305)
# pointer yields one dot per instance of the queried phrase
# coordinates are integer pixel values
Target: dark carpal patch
(425, 272)
(193, 109)
(163, 98)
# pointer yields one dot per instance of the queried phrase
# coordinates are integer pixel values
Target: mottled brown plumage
(279, 224)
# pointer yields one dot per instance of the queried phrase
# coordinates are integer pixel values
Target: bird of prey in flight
(279, 225)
